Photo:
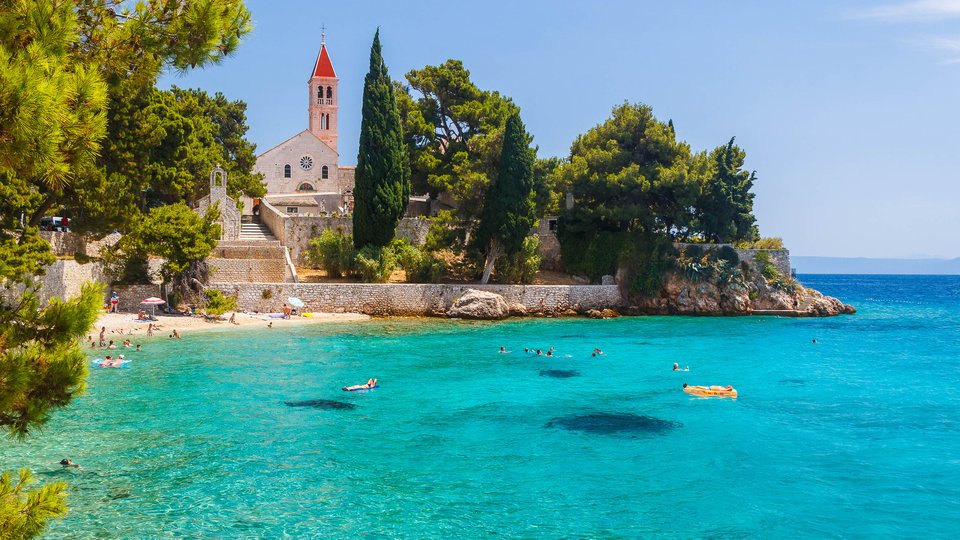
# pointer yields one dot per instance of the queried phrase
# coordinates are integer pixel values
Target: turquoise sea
(855, 436)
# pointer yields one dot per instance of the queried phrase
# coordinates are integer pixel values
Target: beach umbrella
(295, 302)
(153, 302)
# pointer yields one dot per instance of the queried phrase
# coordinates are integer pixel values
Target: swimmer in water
(502, 350)
(549, 352)
(676, 367)
(597, 351)
(138, 347)
(69, 463)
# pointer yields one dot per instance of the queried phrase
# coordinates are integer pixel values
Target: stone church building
(303, 174)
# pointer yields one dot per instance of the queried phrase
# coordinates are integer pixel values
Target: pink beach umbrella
(153, 302)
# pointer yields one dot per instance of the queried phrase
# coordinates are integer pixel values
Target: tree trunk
(38, 215)
(491, 258)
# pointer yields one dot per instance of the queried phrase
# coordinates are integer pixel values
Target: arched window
(286, 171)
(324, 172)
(323, 119)
(329, 92)
(305, 187)
(319, 94)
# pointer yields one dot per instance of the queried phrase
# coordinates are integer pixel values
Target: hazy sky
(849, 111)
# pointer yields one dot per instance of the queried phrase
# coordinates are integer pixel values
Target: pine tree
(508, 209)
(725, 208)
(382, 185)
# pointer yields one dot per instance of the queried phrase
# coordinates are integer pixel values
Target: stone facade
(303, 157)
(414, 299)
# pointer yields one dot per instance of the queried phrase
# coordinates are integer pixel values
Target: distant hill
(863, 265)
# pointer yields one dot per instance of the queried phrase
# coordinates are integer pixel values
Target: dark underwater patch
(559, 373)
(614, 424)
(320, 404)
(794, 382)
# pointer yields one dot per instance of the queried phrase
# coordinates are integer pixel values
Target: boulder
(594, 314)
(518, 310)
(609, 313)
(476, 304)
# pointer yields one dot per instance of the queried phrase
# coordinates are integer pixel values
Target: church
(303, 175)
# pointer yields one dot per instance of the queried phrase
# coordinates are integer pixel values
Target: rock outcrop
(681, 296)
(482, 305)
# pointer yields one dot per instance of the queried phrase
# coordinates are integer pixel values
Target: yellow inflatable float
(711, 391)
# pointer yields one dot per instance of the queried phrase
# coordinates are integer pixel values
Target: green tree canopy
(382, 184)
(508, 208)
(725, 207)
(160, 148)
(454, 133)
(58, 59)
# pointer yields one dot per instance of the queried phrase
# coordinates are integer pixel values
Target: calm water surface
(855, 436)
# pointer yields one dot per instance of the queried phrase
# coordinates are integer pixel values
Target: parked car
(60, 224)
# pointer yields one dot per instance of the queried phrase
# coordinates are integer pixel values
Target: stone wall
(779, 257)
(65, 277)
(248, 270)
(69, 244)
(413, 299)
(229, 219)
(549, 244)
(295, 232)
(131, 295)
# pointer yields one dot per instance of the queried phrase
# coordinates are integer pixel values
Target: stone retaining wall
(131, 295)
(413, 299)
(69, 244)
(779, 257)
(249, 270)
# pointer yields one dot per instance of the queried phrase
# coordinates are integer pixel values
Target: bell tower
(323, 97)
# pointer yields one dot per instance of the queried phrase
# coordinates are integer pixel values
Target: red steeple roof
(323, 67)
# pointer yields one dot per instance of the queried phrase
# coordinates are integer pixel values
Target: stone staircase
(256, 256)
(255, 231)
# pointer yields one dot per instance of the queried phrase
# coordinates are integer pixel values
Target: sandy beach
(126, 324)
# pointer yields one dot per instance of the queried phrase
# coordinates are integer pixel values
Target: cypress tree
(508, 210)
(382, 185)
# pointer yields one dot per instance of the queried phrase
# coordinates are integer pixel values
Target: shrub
(694, 252)
(418, 265)
(772, 242)
(727, 253)
(767, 268)
(266, 294)
(218, 303)
(375, 264)
(445, 233)
(332, 252)
(522, 267)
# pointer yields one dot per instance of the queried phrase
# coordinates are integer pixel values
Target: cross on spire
(323, 34)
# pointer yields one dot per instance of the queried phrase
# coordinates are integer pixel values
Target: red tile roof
(323, 67)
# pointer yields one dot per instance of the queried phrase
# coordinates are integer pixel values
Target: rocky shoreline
(678, 296)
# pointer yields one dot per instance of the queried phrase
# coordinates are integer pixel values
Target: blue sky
(849, 111)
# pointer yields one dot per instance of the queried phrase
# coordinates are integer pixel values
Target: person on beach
(141, 315)
(103, 339)
(69, 463)
(233, 318)
(176, 334)
(114, 302)
(287, 311)
(150, 330)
